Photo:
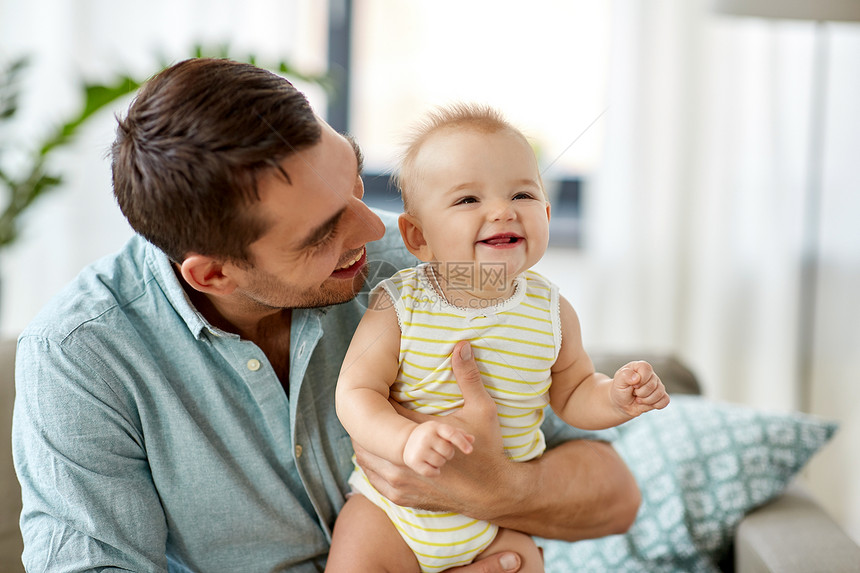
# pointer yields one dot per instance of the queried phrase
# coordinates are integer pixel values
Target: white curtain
(695, 222)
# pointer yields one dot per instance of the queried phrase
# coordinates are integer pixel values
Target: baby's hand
(636, 389)
(433, 443)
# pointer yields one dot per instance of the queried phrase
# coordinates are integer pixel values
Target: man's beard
(273, 294)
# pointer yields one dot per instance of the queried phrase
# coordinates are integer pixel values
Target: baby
(476, 213)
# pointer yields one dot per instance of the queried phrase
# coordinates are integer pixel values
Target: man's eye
(324, 242)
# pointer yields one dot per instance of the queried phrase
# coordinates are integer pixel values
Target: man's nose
(364, 225)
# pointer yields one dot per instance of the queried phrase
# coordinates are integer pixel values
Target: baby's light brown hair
(480, 118)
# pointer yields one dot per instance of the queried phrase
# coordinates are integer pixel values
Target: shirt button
(299, 451)
(253, 365)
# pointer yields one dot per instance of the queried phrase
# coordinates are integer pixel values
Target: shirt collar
(165, 276)
(162, 271)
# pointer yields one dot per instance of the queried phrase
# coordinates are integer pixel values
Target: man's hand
(466, 483)
(636, 389)
(433, 443)
(507, 562)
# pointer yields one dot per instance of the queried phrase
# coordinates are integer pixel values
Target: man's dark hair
(187, 157)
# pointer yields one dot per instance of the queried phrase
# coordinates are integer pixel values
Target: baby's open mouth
(506, 239)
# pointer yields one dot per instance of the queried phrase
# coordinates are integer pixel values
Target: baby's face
(479, 201)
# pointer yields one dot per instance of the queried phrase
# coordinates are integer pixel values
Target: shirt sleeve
(89, 501)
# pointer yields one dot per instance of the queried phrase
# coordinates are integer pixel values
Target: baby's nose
(501, 210)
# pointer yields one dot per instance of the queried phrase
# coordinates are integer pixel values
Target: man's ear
(413, 237)
(206, 275)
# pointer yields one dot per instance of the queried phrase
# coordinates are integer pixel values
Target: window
(543, 64)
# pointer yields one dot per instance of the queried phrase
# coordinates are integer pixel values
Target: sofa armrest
(676, 376)
(11, 544)
(793, 534)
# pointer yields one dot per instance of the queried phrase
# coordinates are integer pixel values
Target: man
(175, 403)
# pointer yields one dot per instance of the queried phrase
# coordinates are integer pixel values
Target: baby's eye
(524, 195)
(466, 200)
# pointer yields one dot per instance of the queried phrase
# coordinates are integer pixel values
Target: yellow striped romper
(515, 343)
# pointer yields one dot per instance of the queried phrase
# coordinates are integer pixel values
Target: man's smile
(351, 266)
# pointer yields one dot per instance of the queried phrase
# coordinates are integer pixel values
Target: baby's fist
(636, 389)
(431, 444)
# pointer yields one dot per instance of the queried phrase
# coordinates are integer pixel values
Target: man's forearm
(578, 490)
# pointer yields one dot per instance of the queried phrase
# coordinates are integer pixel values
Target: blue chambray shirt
(146, 439)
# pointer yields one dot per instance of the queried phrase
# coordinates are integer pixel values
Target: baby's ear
(413, 237)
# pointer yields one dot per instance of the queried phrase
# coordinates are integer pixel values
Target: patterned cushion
(701, 465)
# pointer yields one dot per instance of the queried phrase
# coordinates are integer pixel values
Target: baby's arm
(362, 395)
(591, 400)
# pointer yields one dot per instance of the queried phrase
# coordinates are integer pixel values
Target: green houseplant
(22, 186)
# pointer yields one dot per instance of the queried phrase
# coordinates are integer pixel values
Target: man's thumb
(509, 562)
(467, 374)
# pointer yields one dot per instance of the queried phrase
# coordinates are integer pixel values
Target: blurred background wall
(688, 136)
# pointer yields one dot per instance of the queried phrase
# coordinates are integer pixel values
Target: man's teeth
(352, 262)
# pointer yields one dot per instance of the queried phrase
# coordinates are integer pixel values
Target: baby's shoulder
(537, 282)
(403, 281)
(401, 289)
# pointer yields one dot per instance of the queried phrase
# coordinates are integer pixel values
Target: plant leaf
(96, 97)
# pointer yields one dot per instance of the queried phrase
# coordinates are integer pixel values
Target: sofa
(791, 533)
(10, 492)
